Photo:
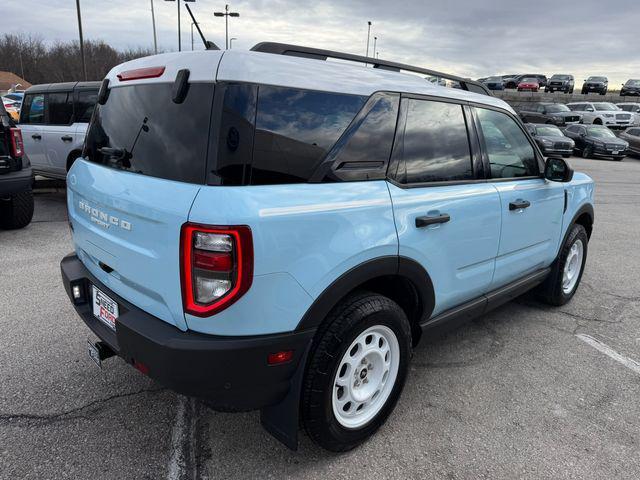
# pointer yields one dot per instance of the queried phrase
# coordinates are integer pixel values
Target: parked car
(528, 83)
(494, 83)
(54, 119)
(16, 198)
(289, 263)
(11, 107)
(596, 140)
(603, 113)
(630, 87)
(547, 112)
(560, 83)
(551, 140)
(632, 136)
(595, 85)
(510, 81)
(634, 108)
(540, 79)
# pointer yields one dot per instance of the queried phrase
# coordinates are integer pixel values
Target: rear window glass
(140, 129)
(84, 106)
(295, 129)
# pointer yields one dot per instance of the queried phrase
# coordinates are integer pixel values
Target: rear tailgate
(126, 230)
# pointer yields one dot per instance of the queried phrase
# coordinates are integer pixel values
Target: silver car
(603, 113)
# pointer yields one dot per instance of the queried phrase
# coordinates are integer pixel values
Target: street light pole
(231, 42)
(368, 33)
(375, 40)
(153, 21)
(226, 14)
(84, 65)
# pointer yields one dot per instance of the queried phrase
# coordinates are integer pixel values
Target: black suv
(16, 198)
(631, 87)
(595, 85)
(560, 83)
(551, 113)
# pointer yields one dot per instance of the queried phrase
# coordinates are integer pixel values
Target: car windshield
(494, 79)
(557, 107)
(549, 131)
(605, 107)
(600, 132)
(529, 80)
(596, 79)
(633, 83)
(560, 77)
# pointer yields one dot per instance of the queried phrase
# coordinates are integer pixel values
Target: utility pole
(375, 40)
(226, 14)
(153, 21)
(84, 65)
(368, 33)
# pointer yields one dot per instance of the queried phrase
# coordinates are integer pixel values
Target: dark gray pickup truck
(16, 178)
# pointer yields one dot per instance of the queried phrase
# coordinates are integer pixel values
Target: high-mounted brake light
(17, 146)
(216, 267)
(140, 73)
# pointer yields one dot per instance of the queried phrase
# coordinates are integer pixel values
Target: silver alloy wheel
(572, 267)
(365, 376)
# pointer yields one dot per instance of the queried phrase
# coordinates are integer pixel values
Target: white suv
(54, 120)
(603, 113)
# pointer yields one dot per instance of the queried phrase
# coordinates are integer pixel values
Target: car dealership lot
(520, 393)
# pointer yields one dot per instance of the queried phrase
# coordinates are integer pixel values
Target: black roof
(61, 87)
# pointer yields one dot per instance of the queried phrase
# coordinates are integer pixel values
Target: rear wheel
(17, 210)
(587, 152)
(356, 371)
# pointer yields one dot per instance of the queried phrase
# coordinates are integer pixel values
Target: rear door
(447, 216)
(31, 120)
(58, 133)
(531, 206)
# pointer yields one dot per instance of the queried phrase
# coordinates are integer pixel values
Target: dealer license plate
(104, 308)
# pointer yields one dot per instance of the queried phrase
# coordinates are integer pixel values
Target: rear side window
(509, 151)
(85, 104)
(295, 129)
(140, 129)
(434, 145)
(60, 108)
(32, 111)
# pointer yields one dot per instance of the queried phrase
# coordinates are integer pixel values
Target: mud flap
(282, 420)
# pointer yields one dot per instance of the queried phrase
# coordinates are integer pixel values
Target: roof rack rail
(321, 54)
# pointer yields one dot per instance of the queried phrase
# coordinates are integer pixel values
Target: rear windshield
(140, 129)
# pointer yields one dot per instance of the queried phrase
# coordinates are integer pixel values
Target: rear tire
(566, 272)
(366, 337)
(587, 152)
(17, 211)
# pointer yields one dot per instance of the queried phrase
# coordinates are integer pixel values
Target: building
(9, 80)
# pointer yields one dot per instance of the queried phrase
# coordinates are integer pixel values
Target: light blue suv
(266, 231)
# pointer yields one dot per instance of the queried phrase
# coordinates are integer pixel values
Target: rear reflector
(140, 73)
(17, 147)
(280, 357)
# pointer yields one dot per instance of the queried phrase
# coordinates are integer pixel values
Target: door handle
(66, 138)
(35, 136)
(426, 220)
(519, 204)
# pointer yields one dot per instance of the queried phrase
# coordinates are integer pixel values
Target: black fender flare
(391, 265)
(586, 208)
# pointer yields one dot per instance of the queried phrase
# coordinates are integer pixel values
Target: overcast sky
(466, 37)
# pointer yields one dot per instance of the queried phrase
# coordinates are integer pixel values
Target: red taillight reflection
(280, 357)
(140, 73)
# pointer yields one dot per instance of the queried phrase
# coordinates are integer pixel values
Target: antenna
(207, 44)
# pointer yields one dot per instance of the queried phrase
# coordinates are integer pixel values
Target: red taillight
(17, 147)
(280, 357)
(140, 73)
(216, 265)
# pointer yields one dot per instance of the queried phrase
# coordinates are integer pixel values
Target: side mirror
(557, 170)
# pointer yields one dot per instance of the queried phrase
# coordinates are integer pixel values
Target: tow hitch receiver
(99, 351)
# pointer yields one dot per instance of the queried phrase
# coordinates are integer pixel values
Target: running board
(481, 305)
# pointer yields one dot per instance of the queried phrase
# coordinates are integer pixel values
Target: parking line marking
(610, 352)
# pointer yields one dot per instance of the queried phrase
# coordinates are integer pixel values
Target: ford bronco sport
(267, 231)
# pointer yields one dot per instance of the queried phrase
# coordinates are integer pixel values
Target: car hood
(616, 141)
(554, 138)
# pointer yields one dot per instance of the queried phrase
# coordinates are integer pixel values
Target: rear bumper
(15, 182)
(231, 373)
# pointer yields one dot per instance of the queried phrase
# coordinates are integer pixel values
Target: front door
(59, 133)
(31, 120)
(447, 219)
(531, 206)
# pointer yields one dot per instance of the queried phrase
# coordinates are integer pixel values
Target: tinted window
(147, 133)
(557, 107)
(84, 106)
(60, 108)
(634, 131)
(363, 151)
(295, 129)
(509, 151)
(434, 145)
(577, 107)
(32, 109)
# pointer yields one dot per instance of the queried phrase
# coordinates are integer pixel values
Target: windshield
(605, 107)
(548, 131)
(600, 132)
(558, 107)
(494, 79)
(597, 79)
(633, 83)
(140, 129)
(560, 77)
(529, 80)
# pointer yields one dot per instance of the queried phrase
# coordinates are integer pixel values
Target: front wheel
(587, 152)
(566, 273)
(356, 371)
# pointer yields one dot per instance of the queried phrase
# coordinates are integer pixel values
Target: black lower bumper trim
(231, 373)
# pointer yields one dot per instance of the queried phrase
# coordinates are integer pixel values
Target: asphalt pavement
(528, 391)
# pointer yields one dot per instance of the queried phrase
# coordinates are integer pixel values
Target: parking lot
(520, 393)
